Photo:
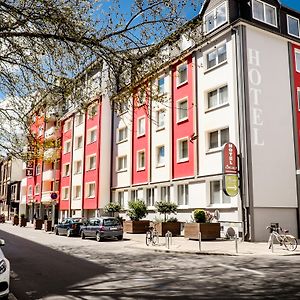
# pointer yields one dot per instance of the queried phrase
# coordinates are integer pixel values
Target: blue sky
(295, 4)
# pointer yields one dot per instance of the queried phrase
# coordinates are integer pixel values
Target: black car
(69, 227)
(101, 228)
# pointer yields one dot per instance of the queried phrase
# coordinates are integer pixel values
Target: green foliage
(172, 219)
(165, 208)
(137, 210)
(199, 215)
(112, 208)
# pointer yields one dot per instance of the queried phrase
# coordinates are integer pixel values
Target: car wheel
(98, 237)
(82, 235)
(120, 237)
(56, 231)
(69, 233)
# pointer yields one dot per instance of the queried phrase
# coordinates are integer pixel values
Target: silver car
(4, 273)
(102, 228)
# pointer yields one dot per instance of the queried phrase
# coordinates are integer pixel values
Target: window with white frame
(38, 169)
(67, 125)
(182, 74)
(218, 138)
(264, 12)
(66, 170)
(122, 163)
(182, 110)
(67, 147)
(92, 136)
(217, 97)
(79, 142)
(141, 160)
(92, 111)
(216, 193)
(161, 85)
(160, 150)
(160, 118)
(216, 56)
(297, 60)
(90, 189)
(77, 166)
(150, 196)
(91, 162)
(30, 190)
(141, 98)
(122, 134)
(77, 192)
(141, 126)
(293, 26)
(79, 119)
(165, 193)
(122, 107)
(134, 195)
(37, 189)
(65, 193)
(121, 198)
(182, 150)
(183, 194)
(215, 18)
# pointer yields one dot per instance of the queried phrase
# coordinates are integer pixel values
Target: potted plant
(137, 211)
(15, 220)
(171, 224)
(112, 208)
(202, 223)
(23, 221)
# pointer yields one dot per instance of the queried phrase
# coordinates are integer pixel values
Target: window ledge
(89, 143)
(182, 120)
(122, 141)
(160, 166)
(141, 135)
(141, 169)
(182, 160)
(214, 150)
(91, 169)
(122, 171)
(181, 84)
(215, 67)
(160, 128)
(90, 197)
(217, 107)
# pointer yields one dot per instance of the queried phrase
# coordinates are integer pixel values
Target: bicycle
(288, 240)
(151, 236)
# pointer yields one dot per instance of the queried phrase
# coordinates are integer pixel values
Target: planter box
(209, 231)
(38, 224)
(15, 220)
(23, 222)
(163, 227)
(136, 226)
(48, 225)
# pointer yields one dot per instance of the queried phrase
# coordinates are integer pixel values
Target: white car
(4, 273)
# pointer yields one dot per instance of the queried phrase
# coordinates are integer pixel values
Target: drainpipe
(99, 156)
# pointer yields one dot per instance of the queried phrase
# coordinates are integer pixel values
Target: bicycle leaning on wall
(283, 238)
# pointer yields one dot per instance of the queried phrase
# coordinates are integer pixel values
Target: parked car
(101, 228)
(4, 273)
(69, 227)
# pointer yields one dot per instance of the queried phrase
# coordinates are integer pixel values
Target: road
(45, 266)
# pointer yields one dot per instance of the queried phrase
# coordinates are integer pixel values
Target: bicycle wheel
(155, 239)
(270, 242)
(148, 238)
(290, 243)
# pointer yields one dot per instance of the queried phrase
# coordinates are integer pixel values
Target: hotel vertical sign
(230, 170)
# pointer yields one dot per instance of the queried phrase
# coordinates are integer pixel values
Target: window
(37, 189)
(182, 151)
(77, 192)
(92, 111)
(121, 198)
(140, 160)
(65, 193)
(79, 142)
(160, 156)
(122, 134)
(264, 12)
(218, 138)
(217, 97)
(298, 98)
(293, 26)
(67, 147)
(92, 136)
(67, 125)
(141, 100)
(91, 162)
(150, 196)
(182, 74)
(121, 107)
(183, 194)
(30, 190)
(38, 169)
(216, 193)
(141, 126)
(215, 18)
(135, 194)
(79, 119)
(297, 59)
(161, 85)
(77, 166)
(66, 170)
(90, 191)
(182, 110)
(122, 163)
(165, 193)
(216, 56)
(160, 118)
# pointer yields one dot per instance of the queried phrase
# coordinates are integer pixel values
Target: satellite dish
(217, 214)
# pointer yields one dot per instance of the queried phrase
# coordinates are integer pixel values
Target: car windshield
(111, 222)
(77, 220)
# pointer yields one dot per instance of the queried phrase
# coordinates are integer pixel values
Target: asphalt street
(46, 266)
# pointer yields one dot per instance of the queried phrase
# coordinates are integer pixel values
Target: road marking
(242, 269)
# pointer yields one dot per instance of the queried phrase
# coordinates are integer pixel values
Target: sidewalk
(218, 247)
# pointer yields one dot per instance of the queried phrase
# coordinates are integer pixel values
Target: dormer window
(264, 12)
(215, 18)
(293, 26)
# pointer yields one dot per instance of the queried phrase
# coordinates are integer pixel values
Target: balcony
(49, 175)
(52, 154)
(46, 197)
(51, 133)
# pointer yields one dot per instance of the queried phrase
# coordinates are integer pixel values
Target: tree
(165, 208)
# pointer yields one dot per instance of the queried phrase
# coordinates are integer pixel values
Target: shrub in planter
(165, 208)
(137, 210)
(112, 208)
(199, 216)
(23, 221)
